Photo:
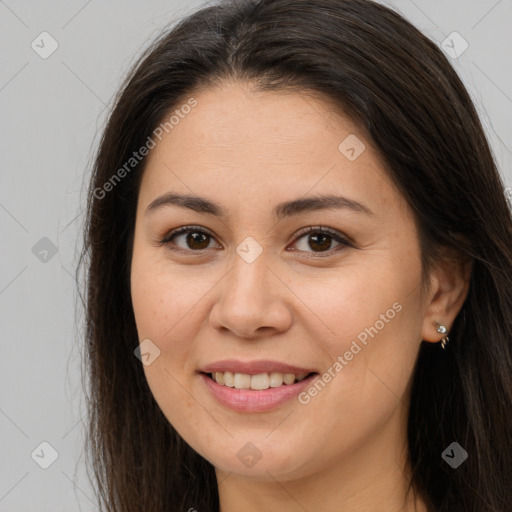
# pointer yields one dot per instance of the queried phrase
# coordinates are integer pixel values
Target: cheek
(373, 313)
(163, 299)
(354, 298)
(164, 313)
(169, 308)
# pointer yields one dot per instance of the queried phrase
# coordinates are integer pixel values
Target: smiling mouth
(259, 382)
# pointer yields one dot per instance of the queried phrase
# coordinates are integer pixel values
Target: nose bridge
(249, 299)
(249, 274)
(248, 283)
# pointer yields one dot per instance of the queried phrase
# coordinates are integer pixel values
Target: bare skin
(303, 301)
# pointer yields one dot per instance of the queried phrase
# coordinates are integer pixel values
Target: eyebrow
(282, 210)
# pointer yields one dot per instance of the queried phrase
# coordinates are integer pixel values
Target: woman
(299, 262)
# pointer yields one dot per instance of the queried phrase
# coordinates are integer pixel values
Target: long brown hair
(401, 89)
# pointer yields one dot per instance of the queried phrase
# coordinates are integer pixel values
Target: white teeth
(276, 379)
(257, 382)
(260, 381)
(229, 379)
(289, 378)
(242, 381)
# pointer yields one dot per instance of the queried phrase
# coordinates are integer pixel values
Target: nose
(252, 301)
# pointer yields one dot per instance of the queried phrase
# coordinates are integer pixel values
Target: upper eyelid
(321, 229)
(342, 238)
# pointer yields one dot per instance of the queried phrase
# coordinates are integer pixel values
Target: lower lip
(249, 400)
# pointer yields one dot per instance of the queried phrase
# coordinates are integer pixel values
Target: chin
(265, 460)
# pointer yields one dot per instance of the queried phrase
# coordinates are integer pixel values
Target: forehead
(235, 117)
(244, 144)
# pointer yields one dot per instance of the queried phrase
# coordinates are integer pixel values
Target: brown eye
(188, 238)
(312, 240)
(320, 240)
(196, 240)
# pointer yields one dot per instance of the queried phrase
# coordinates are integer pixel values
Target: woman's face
(247, 292)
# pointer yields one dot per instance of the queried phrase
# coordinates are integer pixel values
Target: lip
(248, 400)
(253, 367)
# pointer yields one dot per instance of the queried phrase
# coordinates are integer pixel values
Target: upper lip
(253, 367)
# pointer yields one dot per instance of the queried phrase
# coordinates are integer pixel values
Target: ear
(449, 285)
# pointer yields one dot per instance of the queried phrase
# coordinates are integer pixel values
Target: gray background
(52, 112)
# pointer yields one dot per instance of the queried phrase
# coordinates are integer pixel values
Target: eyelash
(344, 242)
